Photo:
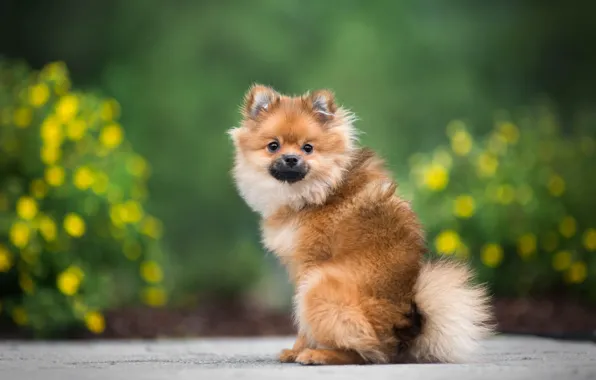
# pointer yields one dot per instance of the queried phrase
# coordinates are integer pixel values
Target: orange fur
(353, 248)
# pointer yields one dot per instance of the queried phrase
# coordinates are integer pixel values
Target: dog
(365, 291)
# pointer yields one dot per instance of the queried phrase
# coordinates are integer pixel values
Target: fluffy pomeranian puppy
(355, 251)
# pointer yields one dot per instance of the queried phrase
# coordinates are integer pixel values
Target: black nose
(291, 160)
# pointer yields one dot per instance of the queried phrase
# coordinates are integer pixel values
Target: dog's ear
(258, 100)
(322, 104)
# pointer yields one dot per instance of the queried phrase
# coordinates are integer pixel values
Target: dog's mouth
(289, 175)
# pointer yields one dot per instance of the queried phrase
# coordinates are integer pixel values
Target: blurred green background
(486, 112)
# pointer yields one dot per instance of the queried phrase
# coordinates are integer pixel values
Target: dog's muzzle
(289, 168)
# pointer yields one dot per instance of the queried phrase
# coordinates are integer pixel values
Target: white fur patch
(308, 282)
(265, 195)
(281, 239)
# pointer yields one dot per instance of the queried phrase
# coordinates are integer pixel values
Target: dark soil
(560, 318)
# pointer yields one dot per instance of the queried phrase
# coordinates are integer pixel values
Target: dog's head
(290, 150)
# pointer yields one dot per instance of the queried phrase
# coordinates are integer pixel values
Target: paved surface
(504, 358)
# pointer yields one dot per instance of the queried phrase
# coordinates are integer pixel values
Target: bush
(75, 238)
(518, 203)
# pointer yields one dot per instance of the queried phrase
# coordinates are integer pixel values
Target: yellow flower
(154, 296)
(551, 241)
(436, 177)
(132, 250)
(151, 227)
(525, 194)
(5, 259)
(19, 316)
(134, 211)
(50, 154)
(69, 280)
(110, 110)
(95, 322)
(464, 206)
(505, 194)
(447, 242)
(62, 86)
(67, 107)
(26, 283)
(590, 239)
(568, 226)
(510, 132)
(19, 234)
(461, 142)
(526, 245)
(54, 71)
(22, 117)
(51, 131)
(577, 273)
(562, 260)
(128, 212)
(75, 129)
(116, 215)
(100, 184)
(47, 228)
(487, 165)
(39, 94)
(26, 208)
(54, 175)
(556, 185)
(83, 178)
(111, 135)
(74, 225)
(151, 271)
(492, 255)
(38, 188)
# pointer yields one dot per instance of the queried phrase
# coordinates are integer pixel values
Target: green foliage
(518, 202)
(75, 237)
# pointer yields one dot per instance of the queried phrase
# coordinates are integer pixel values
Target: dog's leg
(332, 314)
(311, 356)
(289, 355)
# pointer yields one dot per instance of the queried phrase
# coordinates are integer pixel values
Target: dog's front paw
(288, 356)
(312, 357)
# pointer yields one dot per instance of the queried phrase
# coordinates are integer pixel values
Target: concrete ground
(504, 358)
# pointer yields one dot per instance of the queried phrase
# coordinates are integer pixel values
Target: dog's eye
(307, 148)
(273, 146)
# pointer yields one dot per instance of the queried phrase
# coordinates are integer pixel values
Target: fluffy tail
(456, 314)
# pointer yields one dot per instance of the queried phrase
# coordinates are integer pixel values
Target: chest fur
(281, 237)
